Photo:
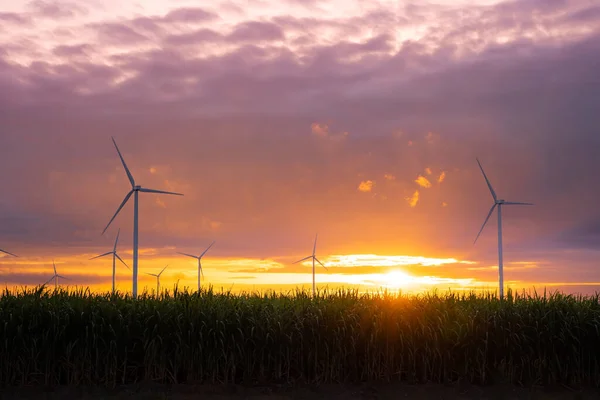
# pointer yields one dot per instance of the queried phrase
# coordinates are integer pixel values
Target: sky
(357, 120)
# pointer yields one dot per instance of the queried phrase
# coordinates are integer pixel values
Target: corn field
(81, 338)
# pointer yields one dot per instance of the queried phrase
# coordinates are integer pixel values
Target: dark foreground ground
(329, 392)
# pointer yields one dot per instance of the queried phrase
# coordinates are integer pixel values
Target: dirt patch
(325, 392)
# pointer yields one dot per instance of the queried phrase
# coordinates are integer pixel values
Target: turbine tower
(9, 253)
(55, 277)
(314, 258)
(114, 259)
(199, 258)
(158, 278)
(499, 203)
(135, 189)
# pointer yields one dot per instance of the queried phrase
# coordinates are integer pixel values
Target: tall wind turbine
(199, 258)
(135, 189)
(6, 252)
(314, 258)
(499, 203)
(158, 278)
(115, 256)
(55, 277)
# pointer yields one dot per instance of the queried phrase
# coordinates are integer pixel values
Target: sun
(398, 279)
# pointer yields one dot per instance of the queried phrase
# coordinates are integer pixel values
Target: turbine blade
(211, 245)
(163, 270)
(202, 271)
(101, 255)
(54, 265)
(485, 222)
(117, 240)
(317, 260)
(305, 258)
(516, 203)
(6, 252)
(487, 181)
(124, 263)
(118, 209)
(186, 254)
(315, 246)
(148, 273)
(63, 277)
(124, 165)
(159, 191)
(48, 281)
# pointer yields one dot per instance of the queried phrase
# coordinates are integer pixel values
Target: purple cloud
(255, 31)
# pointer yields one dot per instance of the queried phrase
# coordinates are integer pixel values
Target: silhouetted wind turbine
(135, 189)
(314, 258)
(9, 253)
(55, 277)
(199, 258)
(158, 278)
(115, 256)
(499, 203)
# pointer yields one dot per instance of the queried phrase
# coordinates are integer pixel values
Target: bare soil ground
(325, 392)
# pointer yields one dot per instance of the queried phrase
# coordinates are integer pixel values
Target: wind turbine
(115, 256)
(6, 252)
(135, 189)
(314, 258)
(199, 258)
(55, 277)
(499, 203)
(158, 278)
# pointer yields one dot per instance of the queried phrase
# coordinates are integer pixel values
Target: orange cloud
(442, 177)
(431, 137)
(389, 177)
(444, 204)
(366, 186)
(319, 129)
(428, 171)
(414, 199)
(160, 203)
(423, 182)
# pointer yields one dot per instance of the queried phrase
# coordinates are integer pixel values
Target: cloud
(428, 171)
(389, 177)
(442, 177)
(55, 9)
(189, 15)
(319, 129)
(414, 199)
(14, 18)
(423, 182)
(229, 115)
(255, 31)
(366, 186)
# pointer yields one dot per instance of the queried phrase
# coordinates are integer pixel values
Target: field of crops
(50, 338)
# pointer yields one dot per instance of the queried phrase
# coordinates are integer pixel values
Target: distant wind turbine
(115, 256)
(199, 258)
(55, 277)
(499, 203)
(158, 279)
(314, 258)
(6, 252)
(135, 189)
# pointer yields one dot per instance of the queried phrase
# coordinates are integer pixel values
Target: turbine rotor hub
(500, 202)
(137, 187)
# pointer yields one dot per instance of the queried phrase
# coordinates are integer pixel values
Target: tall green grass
(61, 337)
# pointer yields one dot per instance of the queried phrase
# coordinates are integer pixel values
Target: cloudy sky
(357, 119)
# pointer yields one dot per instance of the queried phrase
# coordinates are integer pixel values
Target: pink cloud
(254, 31)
